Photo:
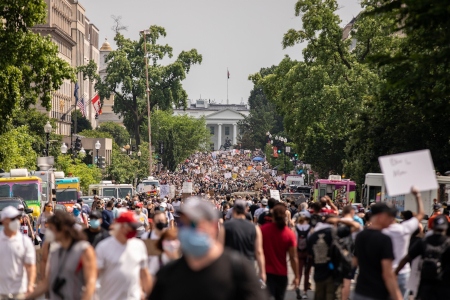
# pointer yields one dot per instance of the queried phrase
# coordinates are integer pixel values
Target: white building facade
(221, 119)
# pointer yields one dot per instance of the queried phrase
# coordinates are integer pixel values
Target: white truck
(296, 180)
(374, 189)
(150, 186)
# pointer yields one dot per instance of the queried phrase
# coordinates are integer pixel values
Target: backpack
(340, 258)
(431, 267)
(302, 238)
(315, 219)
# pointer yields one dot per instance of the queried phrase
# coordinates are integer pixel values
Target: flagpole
(228, 78)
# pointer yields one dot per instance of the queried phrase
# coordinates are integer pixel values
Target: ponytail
(279, 215)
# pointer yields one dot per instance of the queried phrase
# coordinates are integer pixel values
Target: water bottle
(263, 284)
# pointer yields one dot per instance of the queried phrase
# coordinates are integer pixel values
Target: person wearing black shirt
(95, 233)
(254, 207)
(224, 275)
(244, 237)
(266, 217)
(107, 215)
(431, 288)
(374, 256)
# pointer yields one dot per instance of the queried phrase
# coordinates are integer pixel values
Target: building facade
(221, 119)
(77, 40)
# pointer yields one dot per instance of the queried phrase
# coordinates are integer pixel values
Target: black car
(14, 201)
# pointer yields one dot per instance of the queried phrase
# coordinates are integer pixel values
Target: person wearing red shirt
(333, 210)
(436, 212)
(278, 240)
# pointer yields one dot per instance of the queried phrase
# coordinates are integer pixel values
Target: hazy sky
(241, 35)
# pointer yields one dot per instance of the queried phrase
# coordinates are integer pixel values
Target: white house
(221, 119)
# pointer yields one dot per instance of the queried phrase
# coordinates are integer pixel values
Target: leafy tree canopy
(30, 68)
(82, 122)
(16, 149)
(118, 132)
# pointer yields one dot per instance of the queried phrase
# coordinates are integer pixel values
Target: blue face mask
(76, 212)
(94, 223)
(162, 208)
(194, 243)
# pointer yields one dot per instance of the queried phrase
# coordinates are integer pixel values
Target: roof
(106, 46)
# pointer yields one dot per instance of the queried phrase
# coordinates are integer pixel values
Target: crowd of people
(227, 240)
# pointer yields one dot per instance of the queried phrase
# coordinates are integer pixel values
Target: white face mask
(14, 225)
(49, 236)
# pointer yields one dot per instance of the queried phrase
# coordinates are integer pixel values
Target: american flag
(80, 104)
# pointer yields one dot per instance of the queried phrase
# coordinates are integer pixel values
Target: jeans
(277, 284)
(304, 263)
(402, 280)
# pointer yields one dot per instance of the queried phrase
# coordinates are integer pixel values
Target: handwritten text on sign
(404, 170)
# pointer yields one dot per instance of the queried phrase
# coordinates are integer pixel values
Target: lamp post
(48, 129)
(64, 148)
(127, 149)
(82, 152)
(150, 159)
(97, 147)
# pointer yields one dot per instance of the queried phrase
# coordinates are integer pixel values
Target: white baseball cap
(10, 212)
(163, 204)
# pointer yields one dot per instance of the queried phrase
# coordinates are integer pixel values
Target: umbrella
(258, 158)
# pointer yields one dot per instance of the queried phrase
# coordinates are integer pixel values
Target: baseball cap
(440, 223)
(128, 217)
(264, 201)
(139, 204)
(10, 212)
(163, 204)
(196, 210)
(437, 206)
(20, 206)
(95, 214)
(381, 207)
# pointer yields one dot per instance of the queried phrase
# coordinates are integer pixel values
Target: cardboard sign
(275, 194)
(187, 187)
(258, 185)
(405, 170)
(164, 190)
(151, 247)
(258, 168)
(227, 175)
(172, 192)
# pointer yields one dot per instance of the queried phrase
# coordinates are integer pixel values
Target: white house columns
(219, 135)
(234, 134)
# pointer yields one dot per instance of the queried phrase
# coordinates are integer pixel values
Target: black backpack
(340, 257)
(431, 267)
(302, 238)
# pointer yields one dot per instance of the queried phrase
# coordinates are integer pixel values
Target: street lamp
(97, 147)
(64, 148)
(139, 153)
(82, 152)
(48, 129)
(150, 162)
(127, 148)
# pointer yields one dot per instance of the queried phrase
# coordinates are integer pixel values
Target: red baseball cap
(139, 204)
(128, 217)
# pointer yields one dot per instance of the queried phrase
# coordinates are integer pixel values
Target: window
(227, 130)
(211, 146)
(211, 130)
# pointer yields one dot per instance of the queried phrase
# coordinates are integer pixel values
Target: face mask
(14, 225)
(162, 208)
(194, 243)
(161, 225)
(94, 223)
(48, 209)
(49, 236)
(131, 234)
(76, 212)
(171, 246)
(2, 227)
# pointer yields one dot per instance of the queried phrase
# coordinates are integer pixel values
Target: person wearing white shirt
(122, 262)
(17, 259)
(400, 234)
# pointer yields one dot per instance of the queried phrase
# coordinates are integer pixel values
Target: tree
(32, 69)
(82, 122)
(262, 118)
(16, 149)
(87, 174)
(182, 136)
(118, 132)
(126, 78)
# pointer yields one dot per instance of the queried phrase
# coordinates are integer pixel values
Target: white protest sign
(172, 192)
(187, 187)
(236, 169)
(405, 170)
(275, 194)
(227, 175)
(164, 190)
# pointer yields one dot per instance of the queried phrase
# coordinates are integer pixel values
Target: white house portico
(221, 120)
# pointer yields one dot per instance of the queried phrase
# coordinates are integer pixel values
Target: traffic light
(102, 162)
(78, 145)
(279, 151)
(161, 147)
(295, 155)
